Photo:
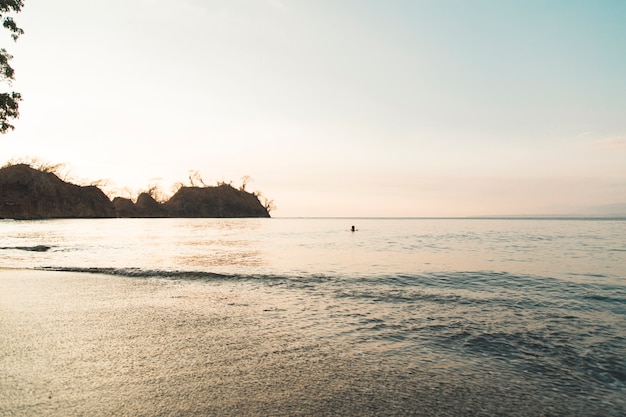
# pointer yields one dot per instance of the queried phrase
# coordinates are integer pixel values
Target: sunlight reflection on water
(563, 248)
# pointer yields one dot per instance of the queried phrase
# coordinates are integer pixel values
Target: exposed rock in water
(27, 193)
(37, 248)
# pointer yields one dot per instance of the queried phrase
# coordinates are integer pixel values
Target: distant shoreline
(27, 193)
(503, 217)
(516, 218)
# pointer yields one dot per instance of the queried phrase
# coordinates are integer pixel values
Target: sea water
(534, 309)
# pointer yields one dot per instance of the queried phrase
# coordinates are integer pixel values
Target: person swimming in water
(353, 229)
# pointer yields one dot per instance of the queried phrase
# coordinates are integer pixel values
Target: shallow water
(511, 317)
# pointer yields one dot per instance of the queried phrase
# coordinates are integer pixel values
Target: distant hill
(608, 210)
(220, 201)
(27, 193)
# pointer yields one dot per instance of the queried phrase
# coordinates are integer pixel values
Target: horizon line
(473, 217)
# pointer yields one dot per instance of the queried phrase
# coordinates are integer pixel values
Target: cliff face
(26, 193)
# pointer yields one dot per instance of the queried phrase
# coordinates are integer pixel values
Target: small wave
(301, 281)
(607, 299)
(141, 273)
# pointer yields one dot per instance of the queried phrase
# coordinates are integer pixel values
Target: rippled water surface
(531, 311)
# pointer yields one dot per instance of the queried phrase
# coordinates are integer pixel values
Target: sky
(350, 108)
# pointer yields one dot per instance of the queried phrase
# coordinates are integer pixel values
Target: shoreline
(89, 344)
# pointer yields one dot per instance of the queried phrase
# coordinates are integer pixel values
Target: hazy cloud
(277, 4)
(611, 144)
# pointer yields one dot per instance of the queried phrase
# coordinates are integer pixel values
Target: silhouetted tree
(176, 186)
(101, 183)
(269, 204)
(195, 177)
(155, 191)
(60, 170)
(9, 102)
(128, 192)
(244, 182)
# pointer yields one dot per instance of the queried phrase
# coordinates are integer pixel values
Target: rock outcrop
(27, 193)
(220, 201)
(148, 207)
(124, 207)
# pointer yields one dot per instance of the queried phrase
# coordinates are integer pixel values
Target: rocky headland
(28, 193)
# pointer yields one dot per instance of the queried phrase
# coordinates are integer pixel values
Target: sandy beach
(85, 344)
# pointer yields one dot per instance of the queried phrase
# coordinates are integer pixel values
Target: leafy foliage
(9, 102)
(9, 109)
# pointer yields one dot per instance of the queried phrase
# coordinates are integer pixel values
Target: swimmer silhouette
(353, 229)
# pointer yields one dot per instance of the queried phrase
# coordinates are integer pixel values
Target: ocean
(403, 316)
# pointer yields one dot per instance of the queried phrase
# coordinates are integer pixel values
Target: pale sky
(333, 107)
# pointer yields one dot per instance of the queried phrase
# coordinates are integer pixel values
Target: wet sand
(85, 344)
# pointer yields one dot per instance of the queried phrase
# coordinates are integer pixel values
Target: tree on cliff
(9, 102)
